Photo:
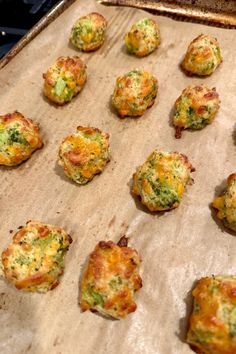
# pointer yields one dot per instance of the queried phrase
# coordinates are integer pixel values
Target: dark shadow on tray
(51, 103)
(11, 168)
(174, 132)
(116, 116)
(71, 46)
(188, 130)
(125, 51)
(84, 56)
(234, 134)
(219, 191)
(171, 115)
(183, 322)
(113, 110)
(126, 119)
(188, 74)
(142, 207)
(22, 164)
(83, 267)
(59, 172)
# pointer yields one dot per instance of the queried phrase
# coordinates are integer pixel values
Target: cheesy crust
(226, 204)
(19, 138)
(84, 154)
(35, 259)
(143, 38)
(110, 279)
(212, 325)
(203, 56)
(134, 93)
(161, 180)
(64, 79)
(195, 108)
(88, 32)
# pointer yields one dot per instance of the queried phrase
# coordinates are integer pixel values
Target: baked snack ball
(134, 93)
(35, 258)
(226, 204)
(64, 79)
(161, 180)
(19, 138)
(203, 56)
(212, 325)
(143, 38)
(84, 154)
(110, 279)
(88, 32)
(196, 107)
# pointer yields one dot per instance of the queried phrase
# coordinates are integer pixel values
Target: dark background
(17, 17)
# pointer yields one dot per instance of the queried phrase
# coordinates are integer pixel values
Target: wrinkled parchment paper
(176, 247)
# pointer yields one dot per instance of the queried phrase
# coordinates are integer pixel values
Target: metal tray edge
(185, 12)
(43, 23)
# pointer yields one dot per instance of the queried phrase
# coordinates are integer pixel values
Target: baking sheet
(176, 247)
(221, 12)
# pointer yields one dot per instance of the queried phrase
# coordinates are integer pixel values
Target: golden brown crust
(84, 154)
(35, 258)
(143, 38)
(231, 178)
(195, 108)
(212, 325)
(203, 56)
(226, 204)
(161, 180)
(88, 32)
(19, 138)
(123, 242)
(64, 79)
(134, 93)
(110, 280)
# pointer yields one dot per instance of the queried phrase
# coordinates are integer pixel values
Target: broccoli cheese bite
(134, 93)
(161, 180)
(143, 38)
(111, 279)
(212, 327)
(19, 138)
(226, 204)
(203, 56)
(35, 259)
(64, 79)
(195, 108)
(88, 32)
(84, 154)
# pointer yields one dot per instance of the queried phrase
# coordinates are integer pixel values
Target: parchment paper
(176, 247)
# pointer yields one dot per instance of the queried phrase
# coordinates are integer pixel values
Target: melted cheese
(88, 32)
(161, 180)
(226, 205)
(203, 56)
(64, 79)
(143, 38)
(213, 322)
(84, 154)
(134, 93)
(110, 280)
(19, 138)
(35, 259)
